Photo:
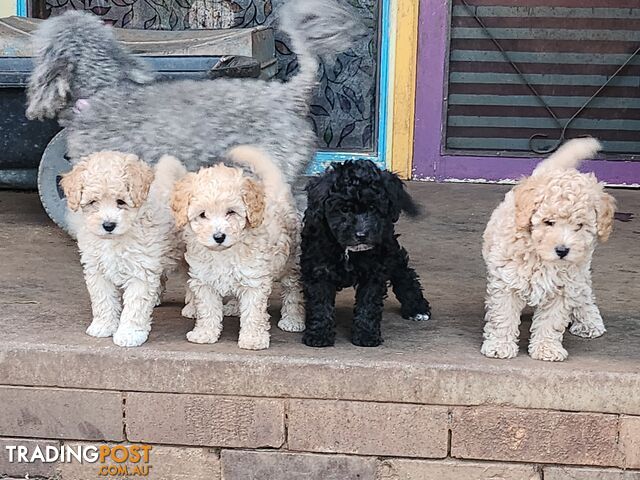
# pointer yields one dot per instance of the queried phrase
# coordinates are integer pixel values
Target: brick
(401, 469)
(244, 465)
(60, 413)
(535, 436)
(174, 463)
(366, 428)
(205, 420)
(630, 440)
(573, 473)
(35, 469)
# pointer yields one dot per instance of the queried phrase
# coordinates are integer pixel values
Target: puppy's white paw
(549, 352)
(189, 310)
(159, 294)
(130, 337)
(499, 349)
(203, 335)
(231, 309)
(291, 324)
(253, 342)
(101, 329)
(587, 330)
(420, 317)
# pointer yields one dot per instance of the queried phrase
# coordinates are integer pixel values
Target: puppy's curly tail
(167, 172)
(262, 164)
(317, 28)
(569, 155)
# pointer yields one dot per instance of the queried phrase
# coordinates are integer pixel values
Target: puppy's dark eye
(580, 225)
(121, 203)
(345, 209)
(203, 215)
(549, 223)
(231, 212)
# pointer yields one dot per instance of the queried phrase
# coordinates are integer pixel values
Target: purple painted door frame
(430, 162)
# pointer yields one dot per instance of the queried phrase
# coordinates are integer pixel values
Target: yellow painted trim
(404, 87)
(393, 34)
(8, 8)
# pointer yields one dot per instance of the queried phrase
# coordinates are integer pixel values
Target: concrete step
(428, 380)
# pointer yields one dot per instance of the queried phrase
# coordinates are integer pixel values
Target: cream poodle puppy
(241, 231)
(538, 246)
(128, 240)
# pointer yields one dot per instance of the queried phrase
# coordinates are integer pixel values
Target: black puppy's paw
(417, 314)
(366, 340)
(312, 340)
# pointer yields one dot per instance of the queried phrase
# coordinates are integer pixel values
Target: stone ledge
(368, 428)
(336, 374)
(205, 420)
(449, 469)
(35, 469)
(491, 433)
(630, 440)
(323, 426)
(252, 465)
(194, 463)
(166, 462)
(60, 413)
(573, 473)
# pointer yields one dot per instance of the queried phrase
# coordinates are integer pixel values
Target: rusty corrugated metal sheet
(566, 49)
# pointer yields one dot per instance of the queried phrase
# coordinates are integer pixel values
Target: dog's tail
(76, 55)
(261, 164)
(167, 172)
(569, 155)
(317, 28)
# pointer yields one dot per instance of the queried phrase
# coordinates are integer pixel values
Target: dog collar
(358, 248)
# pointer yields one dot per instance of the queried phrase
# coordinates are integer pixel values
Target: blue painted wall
(22, 8)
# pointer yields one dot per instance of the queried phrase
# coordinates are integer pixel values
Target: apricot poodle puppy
(128, 241)
(537, 247)
(241, 231)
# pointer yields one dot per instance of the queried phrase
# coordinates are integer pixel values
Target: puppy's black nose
(361, 234)
(109, 226)
(219, 237)
(562, 251)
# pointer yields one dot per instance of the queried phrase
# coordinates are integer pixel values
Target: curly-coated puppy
(348, 240)
(538, 246)
(128, 241)
(109, 100)
(241, 230)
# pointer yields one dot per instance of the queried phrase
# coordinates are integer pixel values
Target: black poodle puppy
(348, 240)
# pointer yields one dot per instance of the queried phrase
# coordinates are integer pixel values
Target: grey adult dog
(108, 99)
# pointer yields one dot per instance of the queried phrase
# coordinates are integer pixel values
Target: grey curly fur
(196, 121)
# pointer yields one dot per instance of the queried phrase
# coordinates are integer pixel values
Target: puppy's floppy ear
(72, 184)
(139, 178)
(49, 89)
(318, 189)
(605, 210)
(399, 199)
(528, 196)
(253, 198)
(180, 199)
